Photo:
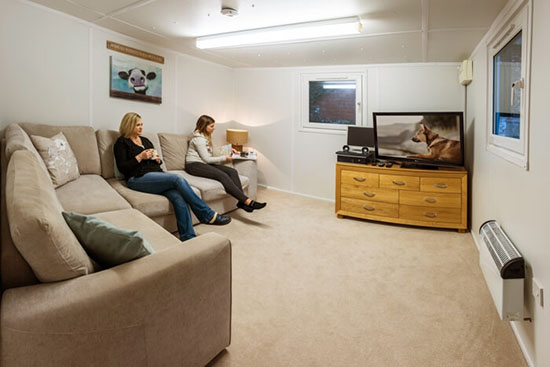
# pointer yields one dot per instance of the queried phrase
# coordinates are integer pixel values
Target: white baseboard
(519, 339)
(296, 193)
(526, 355)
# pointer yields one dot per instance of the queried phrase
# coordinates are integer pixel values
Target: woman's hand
(228, 158)
(234, 151)
(146, 154)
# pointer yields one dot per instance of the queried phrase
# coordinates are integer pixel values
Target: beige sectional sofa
(59, 308)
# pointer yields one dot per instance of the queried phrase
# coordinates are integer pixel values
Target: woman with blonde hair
(200, 161)
(137, 159)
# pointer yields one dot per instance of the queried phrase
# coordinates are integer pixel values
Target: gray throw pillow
(106, 243)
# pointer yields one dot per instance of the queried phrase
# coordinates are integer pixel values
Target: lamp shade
(237, 137)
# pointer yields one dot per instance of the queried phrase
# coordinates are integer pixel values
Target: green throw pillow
(105, 243)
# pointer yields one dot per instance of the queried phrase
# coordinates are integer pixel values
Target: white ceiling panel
(453, 45)
(445, 14)
(392, 29)
(71, 9)
(106, 6)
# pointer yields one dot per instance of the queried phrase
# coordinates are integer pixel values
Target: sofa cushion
(157, 236)
(210, 189)
(37, 227)
(105, 141)
(90, 194)
(17, 139)
(59, 158)
(153, 137)
(174, 148)
(151, 205)
(106, 243)
(81, 138)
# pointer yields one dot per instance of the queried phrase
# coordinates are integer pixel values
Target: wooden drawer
(359, 178)
(434, 184)
(368, 207)
(429, 214)
(430, 199)
(400, 182)
(369, 193)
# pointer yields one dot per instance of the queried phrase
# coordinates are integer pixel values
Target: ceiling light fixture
(327, 29)
(229, 12)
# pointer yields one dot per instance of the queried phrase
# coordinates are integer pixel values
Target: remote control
(389, 164)
(381, 164)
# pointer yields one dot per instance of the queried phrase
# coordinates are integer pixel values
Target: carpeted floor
(313, 290)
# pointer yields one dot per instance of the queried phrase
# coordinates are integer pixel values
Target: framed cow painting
(135, 79)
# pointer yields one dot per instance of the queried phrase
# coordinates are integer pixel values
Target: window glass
(332, 102)
(506, 89)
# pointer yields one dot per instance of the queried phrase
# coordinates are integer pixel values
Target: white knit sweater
(200, 151)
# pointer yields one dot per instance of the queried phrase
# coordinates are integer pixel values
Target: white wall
(267, 103)
(55, 69)
(516, 198)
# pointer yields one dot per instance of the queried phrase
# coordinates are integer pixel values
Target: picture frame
(134, 79)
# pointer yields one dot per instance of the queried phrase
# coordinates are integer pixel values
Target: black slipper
(257, 205)
(245, 207)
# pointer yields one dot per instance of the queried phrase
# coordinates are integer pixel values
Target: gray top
(200, 151)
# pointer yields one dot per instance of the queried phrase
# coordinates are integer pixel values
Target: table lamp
(237, 138)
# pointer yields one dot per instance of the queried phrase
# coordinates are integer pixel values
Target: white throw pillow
(58, 157)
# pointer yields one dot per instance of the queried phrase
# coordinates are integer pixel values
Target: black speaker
(345, 148)
(365, 150)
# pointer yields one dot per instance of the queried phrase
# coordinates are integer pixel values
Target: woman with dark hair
(137, 159)
(200, 161)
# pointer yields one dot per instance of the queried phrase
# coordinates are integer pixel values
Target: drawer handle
(430, 215)
(400, 183)
(369, 208)
(369, 194)
(441, 186)
(430, 200)
(360, 179)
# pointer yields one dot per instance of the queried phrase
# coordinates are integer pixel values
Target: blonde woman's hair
(202, 123)
(128, 124)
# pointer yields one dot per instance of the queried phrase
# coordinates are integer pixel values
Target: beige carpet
(313, 290)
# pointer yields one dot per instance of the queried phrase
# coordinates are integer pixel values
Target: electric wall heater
(504, 271)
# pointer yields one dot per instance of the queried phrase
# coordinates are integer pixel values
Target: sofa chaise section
(170, 308)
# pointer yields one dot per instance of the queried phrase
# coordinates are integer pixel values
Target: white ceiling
(393, 30)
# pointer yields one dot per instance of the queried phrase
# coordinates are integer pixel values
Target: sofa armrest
(171, 308)
(249, 169)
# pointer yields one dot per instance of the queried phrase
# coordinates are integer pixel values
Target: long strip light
(300, 32)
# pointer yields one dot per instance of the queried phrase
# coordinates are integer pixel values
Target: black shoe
(221, 220)
(243, 206)
(256, 205)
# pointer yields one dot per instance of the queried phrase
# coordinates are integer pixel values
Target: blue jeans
(178, 191)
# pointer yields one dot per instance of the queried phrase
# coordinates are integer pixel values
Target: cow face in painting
(137, 79)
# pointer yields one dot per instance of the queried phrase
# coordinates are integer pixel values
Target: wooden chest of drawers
(432, 198)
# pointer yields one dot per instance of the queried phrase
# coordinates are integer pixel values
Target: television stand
(420, 197)
(419, 166)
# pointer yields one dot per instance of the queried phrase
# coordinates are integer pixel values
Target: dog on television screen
(439, 148)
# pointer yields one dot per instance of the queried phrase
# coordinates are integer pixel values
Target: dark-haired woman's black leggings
(228, 176)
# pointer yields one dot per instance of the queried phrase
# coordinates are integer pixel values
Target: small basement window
(331, 101)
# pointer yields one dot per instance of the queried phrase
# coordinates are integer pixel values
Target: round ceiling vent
(229, 12)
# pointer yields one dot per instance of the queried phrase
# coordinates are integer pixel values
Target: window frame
(360, 100)
(516, 19)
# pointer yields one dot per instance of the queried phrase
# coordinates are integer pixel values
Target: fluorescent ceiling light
(334, 28)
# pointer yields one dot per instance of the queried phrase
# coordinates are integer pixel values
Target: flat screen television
(420, 139)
